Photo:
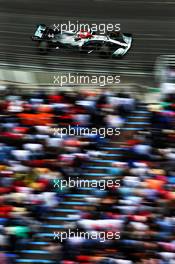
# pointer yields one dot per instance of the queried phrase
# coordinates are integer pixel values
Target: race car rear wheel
(43, 47)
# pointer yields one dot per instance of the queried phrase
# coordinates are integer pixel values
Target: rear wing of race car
(39, 32)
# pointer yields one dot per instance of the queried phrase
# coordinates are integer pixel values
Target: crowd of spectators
(32, 156)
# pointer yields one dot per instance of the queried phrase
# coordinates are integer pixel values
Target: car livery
(113, 44)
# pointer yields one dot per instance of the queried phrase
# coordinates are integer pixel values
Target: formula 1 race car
(113, 44)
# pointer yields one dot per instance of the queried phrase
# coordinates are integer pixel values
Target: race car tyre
(105, 52)
(43, 47)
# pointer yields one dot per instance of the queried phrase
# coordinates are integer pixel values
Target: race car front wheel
(43, 47)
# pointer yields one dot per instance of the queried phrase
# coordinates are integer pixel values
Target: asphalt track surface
(152, 24)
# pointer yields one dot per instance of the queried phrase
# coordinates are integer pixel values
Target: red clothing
(5, 211)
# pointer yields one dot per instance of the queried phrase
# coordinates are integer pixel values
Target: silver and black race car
(113, 44)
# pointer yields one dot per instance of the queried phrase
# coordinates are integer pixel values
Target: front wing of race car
(120, 52)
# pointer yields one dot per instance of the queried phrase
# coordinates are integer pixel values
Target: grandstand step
(87, 188)
(37, 243)
(141, 112)
(96, 170)
(45, 235)
(95, 174)
(65, 210)
(138, 123)
(61, 218)
(76, 195)
(39, 261)
(60, 214)
(138, 117)
(112, 155)
(28, 251)
(112, 148)
(74, 203)
(54, 226)
(102, 160)
(99, 167)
